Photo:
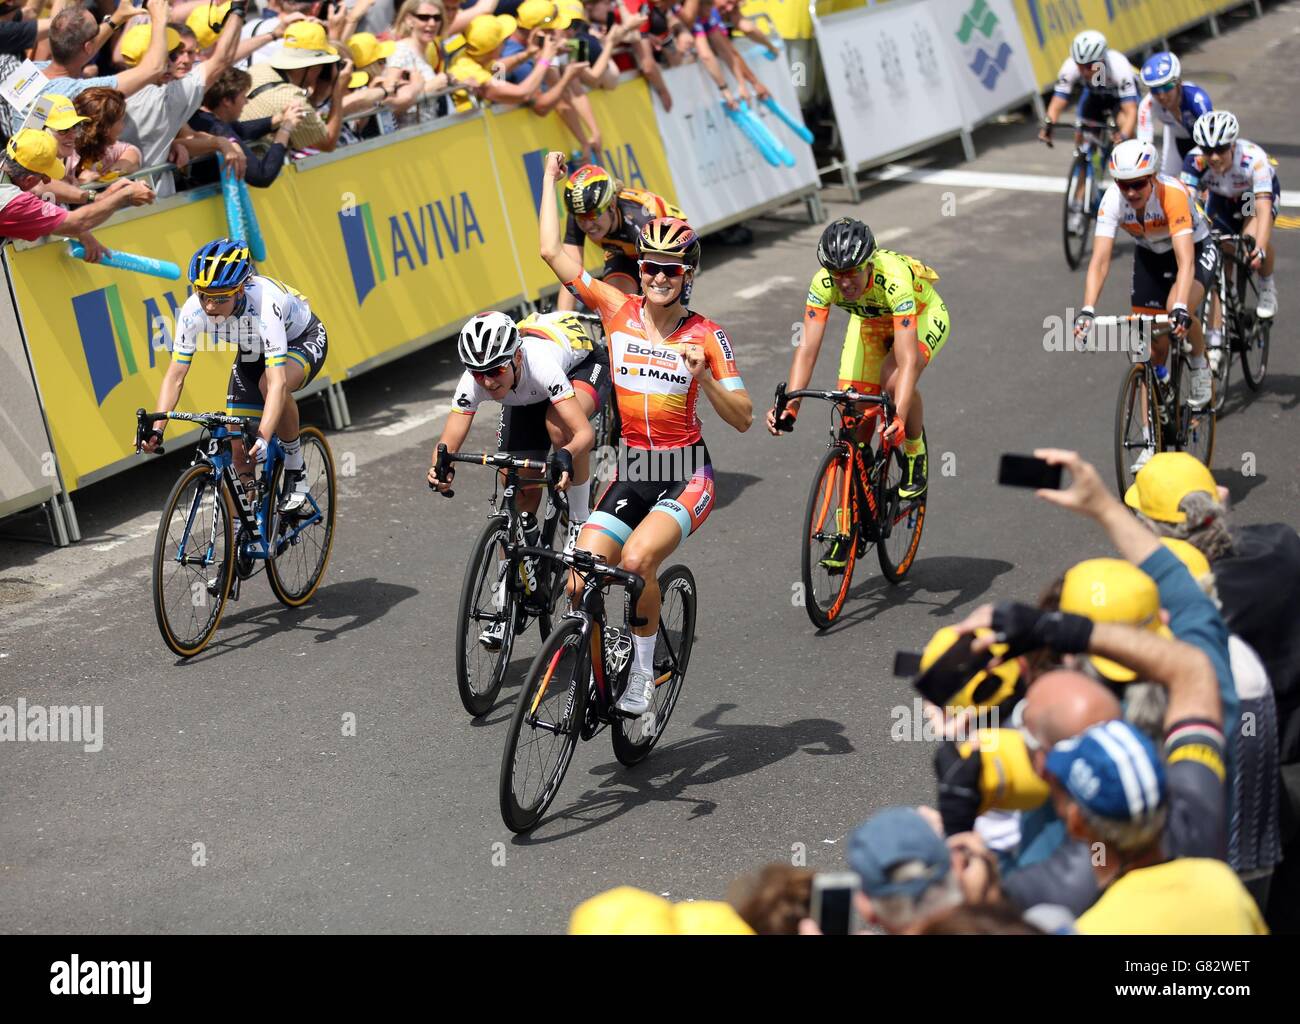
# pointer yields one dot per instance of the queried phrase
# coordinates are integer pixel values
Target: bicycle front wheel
(900, 521)
(1137, 424)
(1196, 427)
(193, 561)
(302, 540)
(1077, 223)
(487, 608)
(634, 738)
(544, 728)
(830, 537)
(1254, 346)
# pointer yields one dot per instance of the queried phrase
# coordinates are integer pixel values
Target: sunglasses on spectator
(490, 374)
(1136, 185)
(650, 268)
(427, 17)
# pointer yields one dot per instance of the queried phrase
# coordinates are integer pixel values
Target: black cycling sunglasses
(1219, 150)
(1134, 185)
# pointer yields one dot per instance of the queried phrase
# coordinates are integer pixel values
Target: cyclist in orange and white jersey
(662, 357)
(1174, 261)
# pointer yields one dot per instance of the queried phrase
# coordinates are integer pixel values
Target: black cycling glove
(1025, 628)
(959, 788)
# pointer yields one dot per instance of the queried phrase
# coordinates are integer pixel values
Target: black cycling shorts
(522, 430)
(1154, 273)
(1228, 215)
(244, 392)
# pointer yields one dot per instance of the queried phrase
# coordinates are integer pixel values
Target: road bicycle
(581, 671)
(1245, 333)
(853, 504)
(1154, 411)
(501, 594)
(1083, 184)
(199, 561)
(605, 422)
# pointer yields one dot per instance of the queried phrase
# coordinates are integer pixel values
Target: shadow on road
(353, 604)
(966, 578)
(727, 487)
(724, 752)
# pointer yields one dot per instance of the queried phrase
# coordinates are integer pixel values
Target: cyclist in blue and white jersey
(280, 347)
(1243, 192)
(1174, 105)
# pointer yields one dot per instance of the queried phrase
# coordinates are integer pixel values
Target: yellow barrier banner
(393, 243)
(790, 18)
(632, 152)
(1049, 25)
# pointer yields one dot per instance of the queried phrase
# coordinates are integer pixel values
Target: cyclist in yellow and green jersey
(890, 298)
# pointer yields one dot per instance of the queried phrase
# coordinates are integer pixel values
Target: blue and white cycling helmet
(1161, 69)
(1089, 47)
(221, 266)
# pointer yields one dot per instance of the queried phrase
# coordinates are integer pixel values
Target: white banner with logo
(720, 174)
(891, 79)
(986, 51)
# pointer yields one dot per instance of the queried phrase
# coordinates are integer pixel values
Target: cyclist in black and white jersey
(1109, 86)
(280, 344)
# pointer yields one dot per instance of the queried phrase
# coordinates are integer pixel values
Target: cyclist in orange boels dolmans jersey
(662, 356)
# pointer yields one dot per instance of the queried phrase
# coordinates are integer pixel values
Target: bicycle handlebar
(144, 424)
(500, 460)
(848, 396)
(587, 564)
(1080, 124)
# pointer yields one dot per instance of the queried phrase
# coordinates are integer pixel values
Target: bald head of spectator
(72, 35)
(1060, 704)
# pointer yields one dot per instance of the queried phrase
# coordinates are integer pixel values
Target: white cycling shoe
(1076, 222)
(492, 637)
(1199, 391)
(294, 500)
(1143, 457)
(639, 695)
(1267, 308)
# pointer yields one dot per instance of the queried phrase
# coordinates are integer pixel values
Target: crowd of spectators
(1128, 761)
(180, 93)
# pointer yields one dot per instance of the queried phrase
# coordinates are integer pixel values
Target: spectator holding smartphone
(483, 44)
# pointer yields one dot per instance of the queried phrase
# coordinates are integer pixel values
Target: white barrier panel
(891, 79)
(718, 173)
(26, 463)
(987, 52)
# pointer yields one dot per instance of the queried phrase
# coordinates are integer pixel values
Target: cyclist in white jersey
(280, 348)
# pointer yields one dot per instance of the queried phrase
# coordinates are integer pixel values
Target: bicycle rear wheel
(1077, 239)
(1196, 428)
(830, 537)
(544, 728)
(485, 602)
(903, 519)
(604, 457)
(193, 561)
(631, 737)
(303, 539)
(1137, 423)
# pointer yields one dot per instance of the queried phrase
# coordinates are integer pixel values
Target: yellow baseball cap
(1197, 564)
(543, 14)
(1007, 777)
(1165, 481)
(366, 48)
(487, 32)
(1112, 590)
(984, 688)
(628, 911)
(63, 114)
(205, 22)
(571, 11)
(37, 151)
(304, 45)
(135, 42)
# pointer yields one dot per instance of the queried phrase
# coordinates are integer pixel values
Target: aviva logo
(113, 352)
(621, 162)
(986, 50)
(408, 241)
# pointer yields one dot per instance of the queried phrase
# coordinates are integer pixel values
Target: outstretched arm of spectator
(546, 101)
(254, 43)
(467, 14)
(599, 75)
(154, 61)
(117, 196)
(551, 243)
(497, 91)
(201, 144)
(649, 67)
(334, 124)
(65, 193)
(1179, 667)
(224, 52)
(739, 66)
(1089, 496)
(714, 69)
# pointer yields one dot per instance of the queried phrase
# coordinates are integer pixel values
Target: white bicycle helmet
(1088, 47)
(1133, 158)
(488, 340)
(1217, 128)
(1161, 69)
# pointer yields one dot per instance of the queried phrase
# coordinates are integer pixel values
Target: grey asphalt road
(227, 798)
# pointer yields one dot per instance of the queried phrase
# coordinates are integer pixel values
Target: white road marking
(755, 290)
(141, 526)
(988, 179)
(892, 235)
(411, 422)
(977, 195)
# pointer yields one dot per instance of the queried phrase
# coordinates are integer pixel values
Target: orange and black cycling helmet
(589, 191)
(670, 236)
